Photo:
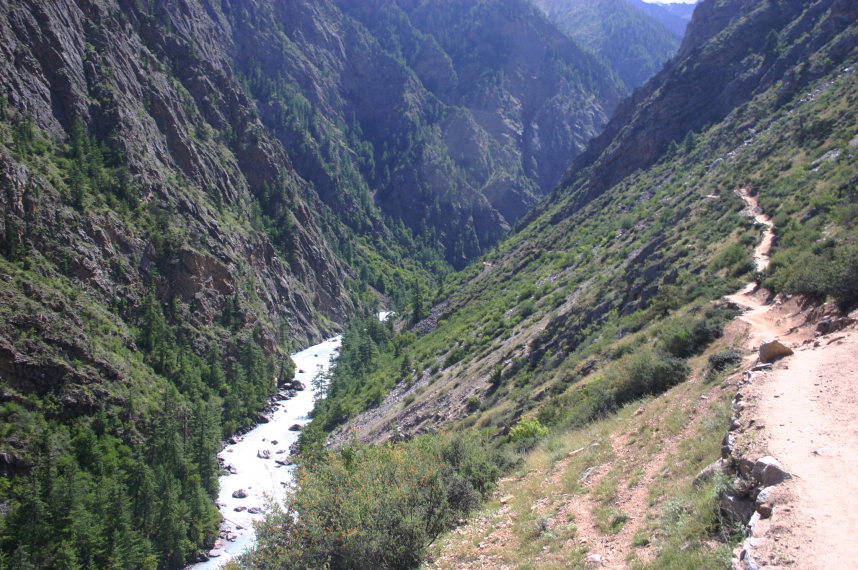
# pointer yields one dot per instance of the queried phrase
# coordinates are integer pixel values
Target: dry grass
(619, 488)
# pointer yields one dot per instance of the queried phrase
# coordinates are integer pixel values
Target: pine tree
(417, 313)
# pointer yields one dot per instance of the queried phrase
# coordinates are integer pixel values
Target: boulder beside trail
(829, 326)
(767, 471)
(771, 351)
(721, 466)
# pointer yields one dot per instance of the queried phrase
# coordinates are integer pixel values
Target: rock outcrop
(747, 499)
(771, 351)
(454, 135)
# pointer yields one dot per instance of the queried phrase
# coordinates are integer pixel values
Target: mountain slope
(188, 190)
(647, 226)
(420, 110)
(674, 17)
(633, 43)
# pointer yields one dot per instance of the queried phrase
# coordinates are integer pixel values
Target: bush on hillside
(723, 360)
(686, 338)
(375, 507)
(646, 372)
(832, 272)
(527, 433)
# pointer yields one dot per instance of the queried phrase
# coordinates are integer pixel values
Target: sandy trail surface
(803, 412)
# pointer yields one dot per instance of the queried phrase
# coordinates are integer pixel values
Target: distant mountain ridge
(674, 16)
(634, 38)
(447, 101)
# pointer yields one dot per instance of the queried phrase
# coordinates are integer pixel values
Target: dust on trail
(803, 412)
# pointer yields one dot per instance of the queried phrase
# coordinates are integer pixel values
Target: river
(262, 478)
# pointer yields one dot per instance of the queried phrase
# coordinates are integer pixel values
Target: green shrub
(375, 507)
(723, 360)
(833, 272)
(527, 433)
(734, 257)
(678, 341)
(526, 309)
(686, 338)
(455, 355)
(647, 372)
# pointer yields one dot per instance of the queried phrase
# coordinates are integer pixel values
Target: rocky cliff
(450, 118)
(158, 89)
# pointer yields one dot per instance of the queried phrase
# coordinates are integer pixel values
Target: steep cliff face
(158, 89)
(448, 117)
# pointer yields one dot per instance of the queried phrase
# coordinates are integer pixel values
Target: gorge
(191, 191)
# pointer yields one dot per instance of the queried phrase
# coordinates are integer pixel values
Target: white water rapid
(261, 478)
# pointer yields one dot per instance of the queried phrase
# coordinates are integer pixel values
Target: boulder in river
(263, 454)
(263, 419)
(239, 494)
(298, 385)
(295, 427)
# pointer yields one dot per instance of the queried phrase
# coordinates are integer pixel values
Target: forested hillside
(453, 118)
(191, 190)
(674, 16)
(626, 35)
(610, 288)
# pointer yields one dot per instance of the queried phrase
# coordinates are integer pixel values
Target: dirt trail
(804, 412)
